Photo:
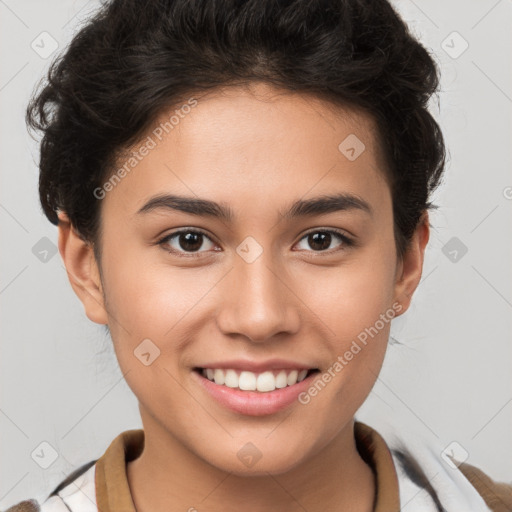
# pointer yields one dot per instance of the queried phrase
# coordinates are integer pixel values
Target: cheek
(355, 306)
(149, 301)
(355, 303)
(155, 300)
(351, 297)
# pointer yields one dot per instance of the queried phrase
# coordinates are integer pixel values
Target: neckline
(113, 492)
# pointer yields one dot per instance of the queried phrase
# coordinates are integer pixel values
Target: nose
(258, 302)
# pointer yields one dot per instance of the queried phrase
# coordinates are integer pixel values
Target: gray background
(449, 380)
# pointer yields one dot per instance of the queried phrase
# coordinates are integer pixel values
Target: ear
(409, 269)
(82, 270)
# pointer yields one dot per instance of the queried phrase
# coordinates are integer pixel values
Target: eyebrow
(302, 208)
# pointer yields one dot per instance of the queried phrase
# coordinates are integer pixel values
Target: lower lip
(254, 403)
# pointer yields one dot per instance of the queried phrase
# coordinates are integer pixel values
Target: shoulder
(431, 479)
(77, 493)
(25, 506)
(497, 495)
(452, 484)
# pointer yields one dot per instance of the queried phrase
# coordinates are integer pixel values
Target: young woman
(241, 190)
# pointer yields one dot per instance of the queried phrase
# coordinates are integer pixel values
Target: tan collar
(113, 492)
(375, 452)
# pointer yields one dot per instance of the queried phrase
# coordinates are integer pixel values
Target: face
(283, 282)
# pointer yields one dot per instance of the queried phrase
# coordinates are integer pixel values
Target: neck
(335, 478)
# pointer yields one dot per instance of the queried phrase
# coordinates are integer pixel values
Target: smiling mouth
(264, 382)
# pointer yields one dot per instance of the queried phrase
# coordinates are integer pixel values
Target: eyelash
(346, 241)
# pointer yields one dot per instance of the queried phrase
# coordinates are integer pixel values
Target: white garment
(455, 492)
(78, 496)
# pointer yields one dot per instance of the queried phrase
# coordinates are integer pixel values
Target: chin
(257, 458)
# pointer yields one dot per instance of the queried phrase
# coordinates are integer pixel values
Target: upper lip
(258, 366)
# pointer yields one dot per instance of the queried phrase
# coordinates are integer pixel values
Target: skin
(257, 150)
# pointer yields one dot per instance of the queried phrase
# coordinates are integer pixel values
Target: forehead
(249, 118)
(253, 147)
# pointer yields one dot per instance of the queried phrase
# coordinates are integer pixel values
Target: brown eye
(190, 241)
(186, 241)
(320, 241)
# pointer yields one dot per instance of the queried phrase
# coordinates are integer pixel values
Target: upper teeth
(249, 381)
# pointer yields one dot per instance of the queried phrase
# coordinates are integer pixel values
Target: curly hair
(133, 59)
